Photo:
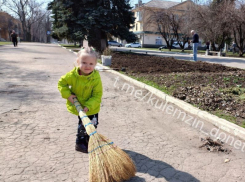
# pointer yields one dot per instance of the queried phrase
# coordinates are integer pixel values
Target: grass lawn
(230, 54)
(5, 43)
(69, 46)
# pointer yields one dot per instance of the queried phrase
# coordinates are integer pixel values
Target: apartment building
(148, 34)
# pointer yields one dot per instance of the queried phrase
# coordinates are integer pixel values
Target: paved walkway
(227, 61)
(37, 134)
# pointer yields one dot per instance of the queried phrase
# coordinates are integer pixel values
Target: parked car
(176, 44)
(134, 44)
(114, 43)
(165, 47)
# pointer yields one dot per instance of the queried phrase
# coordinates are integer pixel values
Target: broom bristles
(117, 165)
(107, 162)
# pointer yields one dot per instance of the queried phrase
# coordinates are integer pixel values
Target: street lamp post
(0, 34)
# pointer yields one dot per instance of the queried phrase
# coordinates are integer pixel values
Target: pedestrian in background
(195, 42)
(14, 38)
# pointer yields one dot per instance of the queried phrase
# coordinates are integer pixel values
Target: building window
(158, 41)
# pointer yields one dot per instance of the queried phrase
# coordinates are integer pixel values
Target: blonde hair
(87, 51)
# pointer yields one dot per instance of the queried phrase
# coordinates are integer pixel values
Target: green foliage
(225, 116)
(226, 79)
(234, 90)
(92, 20)
(243, 124)
(242, 97)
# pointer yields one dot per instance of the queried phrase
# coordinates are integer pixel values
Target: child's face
(86, 64)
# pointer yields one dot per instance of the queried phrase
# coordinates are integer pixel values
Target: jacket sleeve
(63, 86)
(95, 100)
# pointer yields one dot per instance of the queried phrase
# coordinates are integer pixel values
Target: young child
(84, 83)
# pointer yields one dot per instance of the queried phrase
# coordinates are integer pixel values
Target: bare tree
(28, 11)
(238, 24)
(212, 21)
(180, 28)
(160, 19)
(35, 15)
(171, 25)
(40, 28)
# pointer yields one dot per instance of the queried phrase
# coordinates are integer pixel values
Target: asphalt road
(37, 134)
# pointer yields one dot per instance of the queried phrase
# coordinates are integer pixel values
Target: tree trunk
(241, 52)
(97, 39)
(28, 34)
(81, 43)
(24, 30)
(213, 46)
(104, 43)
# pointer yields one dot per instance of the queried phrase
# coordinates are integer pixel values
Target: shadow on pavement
(157, 169)
(19, 84)
(136, 179)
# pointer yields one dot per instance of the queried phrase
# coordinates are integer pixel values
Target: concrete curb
(216, 121)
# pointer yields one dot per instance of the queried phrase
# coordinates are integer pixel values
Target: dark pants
(15, 42)
(82, 136)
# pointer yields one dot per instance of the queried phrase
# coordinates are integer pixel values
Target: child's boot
(82, 140)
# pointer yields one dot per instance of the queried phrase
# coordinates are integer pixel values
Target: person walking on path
(195, 42)
(14, 38)
(84, 83)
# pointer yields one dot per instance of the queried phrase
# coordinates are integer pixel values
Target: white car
(176, 44)
(134, 44)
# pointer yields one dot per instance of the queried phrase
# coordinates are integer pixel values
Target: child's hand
(71, 98)
(85, 109)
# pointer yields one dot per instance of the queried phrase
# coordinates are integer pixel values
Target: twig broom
(107, 162)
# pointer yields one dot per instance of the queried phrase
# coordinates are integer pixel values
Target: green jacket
(88, 90)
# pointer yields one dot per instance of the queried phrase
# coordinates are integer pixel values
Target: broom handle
(91, 129)
(77, 105)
